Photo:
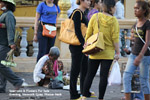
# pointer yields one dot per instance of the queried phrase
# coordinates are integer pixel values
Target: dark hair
(108, 4)
(78, 2)
(145, 6)
(10, 6)
(94, 1)
(55, 2)
(60, 62)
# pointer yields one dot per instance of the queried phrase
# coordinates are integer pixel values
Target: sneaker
(24, 84)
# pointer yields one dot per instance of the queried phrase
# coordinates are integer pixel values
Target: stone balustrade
(25, 22)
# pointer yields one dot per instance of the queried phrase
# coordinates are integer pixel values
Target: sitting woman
(46, 68)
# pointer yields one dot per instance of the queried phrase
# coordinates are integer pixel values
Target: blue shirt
(48, 14)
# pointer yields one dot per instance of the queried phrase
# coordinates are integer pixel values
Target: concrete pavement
(42, 93)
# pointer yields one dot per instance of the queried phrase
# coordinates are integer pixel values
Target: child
(60, 71)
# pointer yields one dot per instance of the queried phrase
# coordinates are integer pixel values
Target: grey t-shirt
(138, 44)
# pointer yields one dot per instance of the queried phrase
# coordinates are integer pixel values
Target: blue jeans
(144, 74)
(137, 96)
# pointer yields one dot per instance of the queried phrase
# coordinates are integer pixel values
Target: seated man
(46, 68)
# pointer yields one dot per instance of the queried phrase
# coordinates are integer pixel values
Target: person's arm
(115, 38)
(77, 23)
(37, 17)
(39, 66)
(36, 26)
(10, 24)
(144, 49)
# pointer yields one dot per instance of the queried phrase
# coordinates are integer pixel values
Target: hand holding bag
(95, 43)
(67, 31)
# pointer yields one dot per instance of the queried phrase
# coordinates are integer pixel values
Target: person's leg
(6, 72)
(51, 42)
(43, 41)
(75, 69)
(3, 83)
(139, 96)
(144, 76)
(127, 76)
(104, 71)
(83, 71)
(92, 69)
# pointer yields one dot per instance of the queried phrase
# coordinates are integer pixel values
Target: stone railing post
(35, 49)
(23, 42)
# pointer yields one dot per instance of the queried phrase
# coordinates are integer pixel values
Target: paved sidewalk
(41, 93)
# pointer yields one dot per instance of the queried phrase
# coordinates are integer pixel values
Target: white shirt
(119, 13)
(37, 74)
(73, 6)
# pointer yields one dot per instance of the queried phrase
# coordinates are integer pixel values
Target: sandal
(93, 95)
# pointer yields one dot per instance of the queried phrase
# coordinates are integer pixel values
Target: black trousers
(78, 66)
(92, 69)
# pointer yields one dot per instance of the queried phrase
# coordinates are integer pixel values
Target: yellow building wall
(25, 11)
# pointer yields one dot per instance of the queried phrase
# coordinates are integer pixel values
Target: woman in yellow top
(110, 28)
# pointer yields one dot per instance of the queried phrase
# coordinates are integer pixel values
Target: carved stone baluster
(23, 42)
(35, 49)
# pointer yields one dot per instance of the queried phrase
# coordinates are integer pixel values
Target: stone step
(27, 64)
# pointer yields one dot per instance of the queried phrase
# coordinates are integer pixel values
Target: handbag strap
(76, 11)
(98, 23)
(140, 36)
(57, 15)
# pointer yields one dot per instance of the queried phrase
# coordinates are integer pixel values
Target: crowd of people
(102, 16)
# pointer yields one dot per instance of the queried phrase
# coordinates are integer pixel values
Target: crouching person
(46, 68)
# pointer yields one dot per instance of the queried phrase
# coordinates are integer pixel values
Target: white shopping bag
(115, 75)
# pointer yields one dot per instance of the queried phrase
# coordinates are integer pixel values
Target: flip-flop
(93, 95)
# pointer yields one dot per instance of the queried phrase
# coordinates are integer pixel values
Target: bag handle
(74, 12)
(98, 23)
(140, 36)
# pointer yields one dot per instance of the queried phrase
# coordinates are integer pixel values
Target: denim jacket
(7, 34)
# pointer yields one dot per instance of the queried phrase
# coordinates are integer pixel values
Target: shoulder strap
(98, 23)
(76, 11)
(56, 9)
(57, 15)
(140, 36)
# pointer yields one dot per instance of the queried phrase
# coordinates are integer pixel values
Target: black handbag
(56, 84)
